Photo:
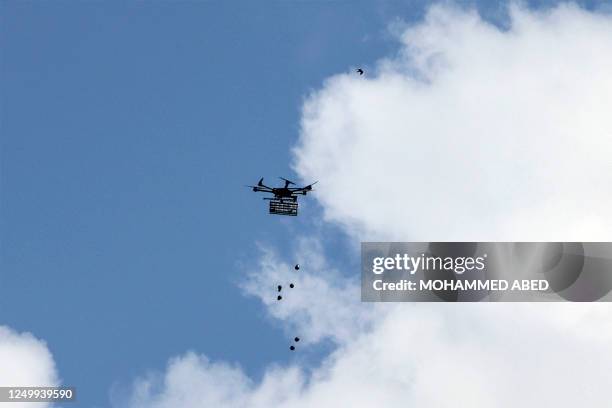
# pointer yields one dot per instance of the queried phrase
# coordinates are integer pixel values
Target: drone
(285, 198)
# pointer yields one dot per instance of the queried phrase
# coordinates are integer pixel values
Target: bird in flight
(359, 71)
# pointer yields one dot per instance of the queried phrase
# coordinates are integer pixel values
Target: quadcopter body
(284, 200)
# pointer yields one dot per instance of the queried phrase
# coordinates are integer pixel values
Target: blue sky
(127, 134)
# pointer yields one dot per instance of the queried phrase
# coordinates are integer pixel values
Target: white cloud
(193, 381)
(444, 355)
(470, 133)
(25, 361)
(322, 304)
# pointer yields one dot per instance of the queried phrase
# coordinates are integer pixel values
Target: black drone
(284, 201)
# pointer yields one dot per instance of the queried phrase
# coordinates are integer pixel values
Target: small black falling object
(291, 285)
(292, 348)
(279, 288)
(359, 71)
(296, 339)
(297, 267)
(279, 297)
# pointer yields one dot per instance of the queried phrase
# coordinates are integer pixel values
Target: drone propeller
(261, 186)
(287, 181)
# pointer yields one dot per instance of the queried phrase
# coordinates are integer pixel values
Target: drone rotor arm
(306, 188)
(261, 189)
